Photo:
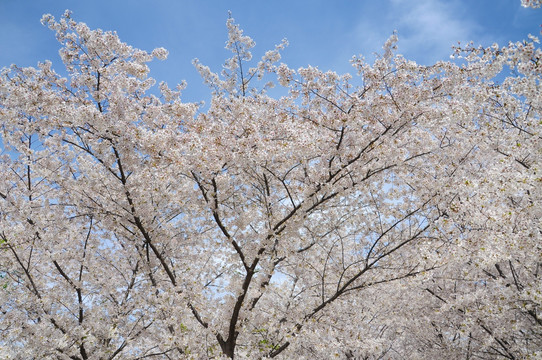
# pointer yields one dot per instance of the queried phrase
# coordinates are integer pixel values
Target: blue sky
(321, 33)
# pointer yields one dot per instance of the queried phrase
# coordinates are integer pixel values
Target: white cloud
(426, 28)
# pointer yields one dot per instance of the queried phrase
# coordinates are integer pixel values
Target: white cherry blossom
(393, 214)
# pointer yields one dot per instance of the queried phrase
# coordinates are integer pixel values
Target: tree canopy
(393, 213)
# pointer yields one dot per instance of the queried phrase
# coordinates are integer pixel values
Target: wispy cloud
(427, 28)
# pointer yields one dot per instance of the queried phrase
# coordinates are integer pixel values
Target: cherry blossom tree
(391, 214)
(531, 3)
